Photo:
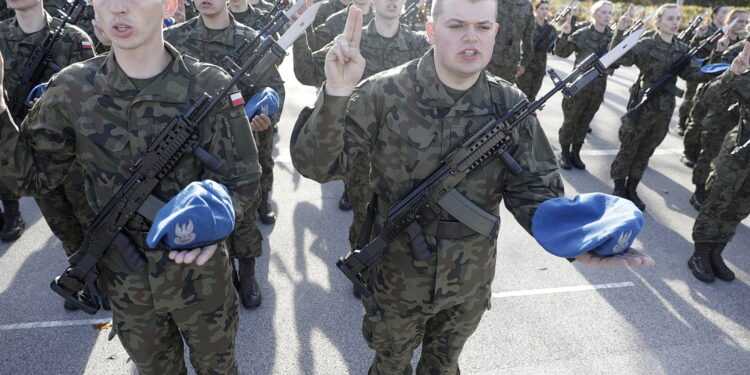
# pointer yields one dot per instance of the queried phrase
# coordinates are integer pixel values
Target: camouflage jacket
(696, 41)
(734, 49)
(327, 9)
(584, 42)
(514, 44)
(190, 10)
(653, 56)
(738, 89)
(254, 16)
(406, 122)
(192, 38)
(54, 7)
(92, 114)
(379, 53)
(334, 25)
(16, 46)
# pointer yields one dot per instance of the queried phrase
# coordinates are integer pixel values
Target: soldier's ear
(170, 7)
(429, 28)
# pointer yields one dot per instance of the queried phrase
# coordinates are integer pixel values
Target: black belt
(443, 229)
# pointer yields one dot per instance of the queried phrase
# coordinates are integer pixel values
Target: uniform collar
(477, 100)
(110, 80)
(398, 41)
(226, 37)
(16, 33)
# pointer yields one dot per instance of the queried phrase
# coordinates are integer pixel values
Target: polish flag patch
(86, 44)
(237, 99)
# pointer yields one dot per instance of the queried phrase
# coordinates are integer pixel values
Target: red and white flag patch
(86, 44)
(237, 99)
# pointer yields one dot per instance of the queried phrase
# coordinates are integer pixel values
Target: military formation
(89, 88)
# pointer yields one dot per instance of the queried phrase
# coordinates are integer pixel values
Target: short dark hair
(437, 7)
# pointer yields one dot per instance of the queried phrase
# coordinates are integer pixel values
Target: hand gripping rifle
(670, 75)
(688, 32)
(561, 16)
(438, 189)
(40, 60)
(638, 24)
(179, 138)
(267, 17)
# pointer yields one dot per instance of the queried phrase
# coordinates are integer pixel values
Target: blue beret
(199, 215)
(717, 68)
(169, 22)
(35, 93)
(596, 222)
(264, 102)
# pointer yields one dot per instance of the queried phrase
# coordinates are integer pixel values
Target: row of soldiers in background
(208, 38)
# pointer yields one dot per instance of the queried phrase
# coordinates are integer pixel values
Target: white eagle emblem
(264, 109)
(184, 233)
(622, 242)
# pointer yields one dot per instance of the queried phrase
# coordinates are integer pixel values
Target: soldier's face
(741, 23)
(388, 9)
(463, 36)
(210, 7)
(542, 10)
(603, 15)
(669, 22)
(131, 24)
(22, 5)
(721, 15)
(362, 3)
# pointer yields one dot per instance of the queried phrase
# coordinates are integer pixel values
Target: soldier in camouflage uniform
(640, 133)
(250, 14)
(64, 208)
(103, 114)
(334, 25)
(691, 130)
(728, 201)
(579, 110)
(407, 119)
(327, 9)
(56, 7)
(721, 117)
(208, 38)
(5, 11)
(381, 52)
(514, 47)
(718, 15)
(544, 35)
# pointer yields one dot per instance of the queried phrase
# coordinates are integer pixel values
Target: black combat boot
(344, 204)
(565, 160)
(697, 199)
(681, 126)
(717, 262)
(249, 290)
(686, 159)
(630, 186)
(620, 188)
(265, 211)
(13, 224)
(576, 157)
(700, 264)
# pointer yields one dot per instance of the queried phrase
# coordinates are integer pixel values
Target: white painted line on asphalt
(565, 289)
(666, 151)
(53, 324)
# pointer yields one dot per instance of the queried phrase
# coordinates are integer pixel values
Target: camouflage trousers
(687, 100)
(264, 143)
(728, 201)
(639, 140)
(711, 139)
(442, 335)
(507, 73)
(246, 241)
(357, 185)
(692, 139)
(579, 110)
(531, 80)
(155, 308)
(66, 210)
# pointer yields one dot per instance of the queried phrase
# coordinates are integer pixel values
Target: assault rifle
(742, 150)
(266, 17)
(687, 33)
(670, 75)
(179, 138)
(438, 189)
(410, 13)
(40, 60)
(561, 16)
(638, 24)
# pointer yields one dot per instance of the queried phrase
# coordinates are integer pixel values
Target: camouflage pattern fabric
(691, 87)
(728, 201)
(5, 12)
(406, 122)
(641, 133)
(327, 9)
(334, 25)
(579, 110)
(514, 44)
(54, 7)
(254, 13)
(531, 81)
(64, 207)
(93, 114)
(380, 54)
(191, 11)
(192, 38)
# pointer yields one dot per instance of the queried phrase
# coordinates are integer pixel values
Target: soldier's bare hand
(260, 123)
(566, 27)
(741, 63)
(626, 19)
(723, 43)
(576, 9)
(701, 30)
(520, 70)
(631, 257)
(344, 64)
(199, 255)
